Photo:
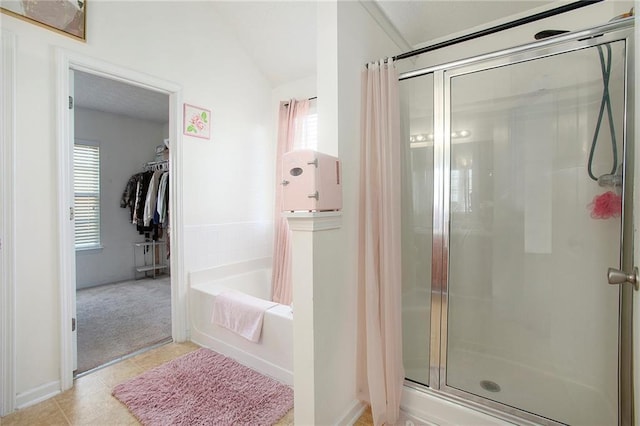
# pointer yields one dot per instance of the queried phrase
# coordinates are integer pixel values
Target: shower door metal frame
(616, 31)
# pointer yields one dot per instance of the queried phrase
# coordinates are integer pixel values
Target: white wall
(126, 144)
(348, 37)
(225, 179)
(303, 88)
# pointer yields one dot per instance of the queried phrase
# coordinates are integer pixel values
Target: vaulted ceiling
(280, 37)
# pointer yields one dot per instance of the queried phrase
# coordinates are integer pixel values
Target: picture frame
(67, 17)
(196, 121)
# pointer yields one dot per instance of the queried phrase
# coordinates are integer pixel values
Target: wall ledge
(313, 221)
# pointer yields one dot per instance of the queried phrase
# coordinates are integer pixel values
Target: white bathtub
(273, 354)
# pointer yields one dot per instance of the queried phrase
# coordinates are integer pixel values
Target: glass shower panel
(416, 98)
(532, 322)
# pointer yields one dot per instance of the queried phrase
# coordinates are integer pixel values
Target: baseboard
(36, 395)
(352, 414)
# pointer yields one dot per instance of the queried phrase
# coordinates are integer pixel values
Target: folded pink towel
(240, 313)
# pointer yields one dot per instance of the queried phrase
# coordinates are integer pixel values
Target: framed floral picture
(63, 16)
(197, 121)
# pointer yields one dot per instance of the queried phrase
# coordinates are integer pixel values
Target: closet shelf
(150, 268)
(148, 243)
(149, 257)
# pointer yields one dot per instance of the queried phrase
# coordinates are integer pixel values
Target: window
(86, 187)
(309, 136)
(307, 130)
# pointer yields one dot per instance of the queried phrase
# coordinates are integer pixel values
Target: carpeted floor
(115, 320)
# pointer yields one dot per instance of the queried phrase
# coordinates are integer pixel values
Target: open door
(74, 327)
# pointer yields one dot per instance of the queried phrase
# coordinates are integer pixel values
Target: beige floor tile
(45, 413)
(83, 387)
(90, 402)
(158, 356)
(118, 373)
(287, 420)
(97, 410)
(366, 419)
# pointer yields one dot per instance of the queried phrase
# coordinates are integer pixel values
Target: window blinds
(86, 183)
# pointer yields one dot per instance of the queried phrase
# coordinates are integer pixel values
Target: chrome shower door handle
(616, 276)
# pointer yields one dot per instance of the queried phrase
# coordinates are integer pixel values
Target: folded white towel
(240, 313)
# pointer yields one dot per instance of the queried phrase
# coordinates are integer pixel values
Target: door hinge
(70, 102)
(73, 324)
(71, 213)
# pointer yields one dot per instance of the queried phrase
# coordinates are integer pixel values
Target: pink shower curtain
(380, 369)
(290, 118)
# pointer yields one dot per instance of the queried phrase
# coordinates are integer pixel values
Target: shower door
(527, 215)
(417, 227)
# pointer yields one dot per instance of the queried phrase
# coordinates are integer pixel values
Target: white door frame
(636, 203)
(65, 61)
(7, 226)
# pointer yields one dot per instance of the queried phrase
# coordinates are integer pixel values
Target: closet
(146, 195)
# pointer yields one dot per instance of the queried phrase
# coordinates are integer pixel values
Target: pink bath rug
(204, 388)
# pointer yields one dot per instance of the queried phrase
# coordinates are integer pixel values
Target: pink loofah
(606, 205)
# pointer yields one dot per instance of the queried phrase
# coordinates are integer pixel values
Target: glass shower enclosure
(516, 199)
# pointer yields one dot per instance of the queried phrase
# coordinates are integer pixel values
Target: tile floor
(90, 402)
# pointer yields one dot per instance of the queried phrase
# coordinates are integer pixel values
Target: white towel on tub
(240, 313)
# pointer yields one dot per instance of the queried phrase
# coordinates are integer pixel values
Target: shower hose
(605, 67)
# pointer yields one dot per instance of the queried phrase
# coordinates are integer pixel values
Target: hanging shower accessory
(611, 179)
(609, 204)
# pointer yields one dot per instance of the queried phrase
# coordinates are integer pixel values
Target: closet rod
(157, 165)
(491, 30)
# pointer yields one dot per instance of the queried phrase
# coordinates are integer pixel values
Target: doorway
(505, 174)
(68, 64)
(121, 186)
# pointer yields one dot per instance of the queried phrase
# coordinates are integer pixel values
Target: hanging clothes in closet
(146, 195)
